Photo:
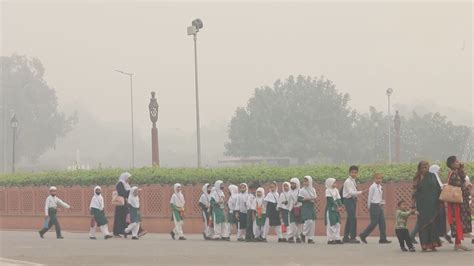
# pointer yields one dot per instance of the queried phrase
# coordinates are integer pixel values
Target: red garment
(457, 213)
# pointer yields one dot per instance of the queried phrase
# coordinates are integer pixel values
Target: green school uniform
(308, 210)
(217, 211)
(286, 216)
(176, 213)
(331, 211)
(99, 216)
(135, 216)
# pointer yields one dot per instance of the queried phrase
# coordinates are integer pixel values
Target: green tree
(304, 118)
(27, 94)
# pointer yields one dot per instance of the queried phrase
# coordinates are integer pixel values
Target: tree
(431, 136)
(27, 94)
(308, 119)
(303, 118)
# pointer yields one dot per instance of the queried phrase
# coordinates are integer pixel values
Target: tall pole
(130, 75)
(198, 127)
(13, 150)
(131, 116)
(389, 132)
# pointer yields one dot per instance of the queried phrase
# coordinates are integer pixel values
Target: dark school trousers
(53, 220)
(403, 237)
(351, 221)
(377, 217)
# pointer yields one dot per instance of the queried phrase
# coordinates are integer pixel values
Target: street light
(14, 125)
(130, 75)
(389, 93)
(196, 25)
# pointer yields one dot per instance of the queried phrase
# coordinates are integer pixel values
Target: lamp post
(196, 25)
(397, 124)
(130, 75)
(389, 93)
(14, 125)
(153, 109)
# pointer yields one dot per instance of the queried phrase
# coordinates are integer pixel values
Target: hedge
(154, 175)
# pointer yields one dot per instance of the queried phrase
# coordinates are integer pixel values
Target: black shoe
(448, 238)
(363, 239)
(303, 238)
(353, 241)
(384, 241)
(332, 242)
(60, 237)
(240, 239)
(310, 241)
(346, 240)
(181, 238)
(413, 241)
(339, 242)
(291, 240)
(249, 240)
(172, 235)
(41, 234)
(412, 249)
(108, 237)
(281, 240)
(135, 238)
(298, 240)
(404, 249)
(93, 238)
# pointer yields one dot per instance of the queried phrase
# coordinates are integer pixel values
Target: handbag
(46, 223)
(117, 200)
(92, 222)
(283, 228)
(451, 194)
(296, 212)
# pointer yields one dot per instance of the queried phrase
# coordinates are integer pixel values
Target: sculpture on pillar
(397, 122)
(153, 109)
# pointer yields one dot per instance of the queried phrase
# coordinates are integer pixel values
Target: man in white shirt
(349, 194)
(50, 210)
(375, 202)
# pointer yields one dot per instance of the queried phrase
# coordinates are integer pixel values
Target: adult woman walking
(426, 196)
(120, 216)
(459, 214)
(435, 169)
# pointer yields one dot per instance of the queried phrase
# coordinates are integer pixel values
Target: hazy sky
(423, 51)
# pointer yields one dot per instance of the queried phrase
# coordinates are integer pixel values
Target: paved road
(26, 248)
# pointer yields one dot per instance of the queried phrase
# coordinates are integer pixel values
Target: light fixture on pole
(196, 25)
(130, 75)
(389, 93)
(14, 126)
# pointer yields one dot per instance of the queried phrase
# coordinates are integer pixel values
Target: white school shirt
(284, 200)
(350, 189)
(241, 204)
(375, 194)
(293, 199)
(53, 202)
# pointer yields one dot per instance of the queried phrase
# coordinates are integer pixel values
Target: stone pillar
(153, 108)
(155, 152)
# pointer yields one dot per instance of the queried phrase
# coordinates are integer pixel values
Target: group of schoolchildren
(291, 214)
